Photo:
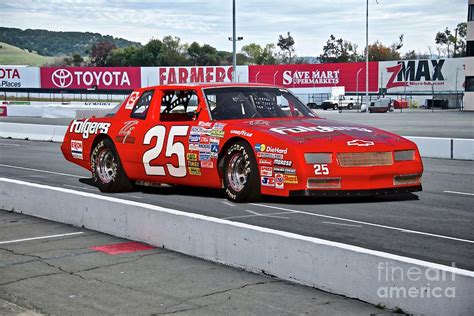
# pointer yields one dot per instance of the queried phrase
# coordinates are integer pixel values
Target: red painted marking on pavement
(123, 247)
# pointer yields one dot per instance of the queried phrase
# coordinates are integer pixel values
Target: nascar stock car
(249, 139)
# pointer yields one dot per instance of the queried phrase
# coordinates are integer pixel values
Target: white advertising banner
(19, 77)
(424, 75)
(151, 76)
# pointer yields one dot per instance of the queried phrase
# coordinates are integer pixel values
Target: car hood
(315, 130)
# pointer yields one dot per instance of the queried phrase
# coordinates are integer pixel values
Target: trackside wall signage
(316, 75)
(19, 77)
(113, 78)
(423, 75)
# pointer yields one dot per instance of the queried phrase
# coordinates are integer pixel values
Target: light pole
(275, 76)
(367, 52)
(234, 43)
(357, 85)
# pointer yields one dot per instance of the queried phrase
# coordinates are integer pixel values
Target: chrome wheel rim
(236, 172)
(106, 167)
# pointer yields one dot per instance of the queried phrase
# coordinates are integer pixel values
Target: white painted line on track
(341, 224)
(228, 204)
(9, 145)
(44, 171)
(37, 238)
(460, 193)
(320, 241)
(82, 188)
(366, 223)
(255, 214)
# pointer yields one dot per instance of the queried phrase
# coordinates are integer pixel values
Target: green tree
(205, 55)
(339, 50)
(287, 45)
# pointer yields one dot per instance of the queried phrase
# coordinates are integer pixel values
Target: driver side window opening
(179, 105)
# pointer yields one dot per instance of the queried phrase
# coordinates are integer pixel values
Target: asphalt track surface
(435, 225)
(440, 123)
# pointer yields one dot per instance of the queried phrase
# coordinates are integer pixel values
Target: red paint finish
(124, 247)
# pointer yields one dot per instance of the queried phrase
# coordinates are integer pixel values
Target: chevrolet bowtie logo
(360, 143)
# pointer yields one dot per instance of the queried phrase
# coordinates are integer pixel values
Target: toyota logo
(62, 78)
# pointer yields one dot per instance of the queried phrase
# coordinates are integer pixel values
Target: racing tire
(241, 177)
(107, 170)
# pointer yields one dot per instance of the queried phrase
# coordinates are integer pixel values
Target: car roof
(212, 85)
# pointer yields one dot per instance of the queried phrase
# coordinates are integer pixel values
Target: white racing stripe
(341, 224)
(41, 237)
(460, 193)
(43, 171)
(366, 223)
(329, 243)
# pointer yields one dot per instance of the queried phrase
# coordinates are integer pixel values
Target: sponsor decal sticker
(258, 122)
(260, 147)
(218, 126)
(265, 162)
(217, 133)
(214, 148)
(320, 129)
(87, 128)
(203, 156)
(280, 162)
(360, 143)
(193, 164)
(279, 181)
(76, 149)
(191, 156)
(207, 164)
(193, 147)
(266, 171)
(290, 179)
(204, 147)
(268, 181)
(269, 155)
(194, 138)
(205, 139)
(284, 170)
(196, 130)
(125, 132)
(241, 133)
(205, 124)
(132, 99)
(194, 171)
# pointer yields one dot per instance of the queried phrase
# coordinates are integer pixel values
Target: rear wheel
(107, 170)
(241, 180)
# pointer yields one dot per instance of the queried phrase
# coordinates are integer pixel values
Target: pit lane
(435, 225)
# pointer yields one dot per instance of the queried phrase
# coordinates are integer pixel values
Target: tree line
(170, 51)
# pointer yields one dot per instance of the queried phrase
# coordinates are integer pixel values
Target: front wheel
(241, 179)
(107, 170)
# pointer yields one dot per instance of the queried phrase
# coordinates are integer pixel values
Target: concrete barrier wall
(335, 267)
(50, 133)
(430, 147)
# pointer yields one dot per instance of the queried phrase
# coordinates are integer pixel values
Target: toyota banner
(103, 78)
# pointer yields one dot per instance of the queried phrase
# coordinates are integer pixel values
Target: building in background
(469, 60)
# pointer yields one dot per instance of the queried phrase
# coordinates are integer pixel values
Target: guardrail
(331, 266)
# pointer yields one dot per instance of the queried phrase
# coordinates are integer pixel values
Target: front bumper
(355, 193)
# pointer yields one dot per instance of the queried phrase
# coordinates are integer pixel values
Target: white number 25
(172, 148)
(321, 169)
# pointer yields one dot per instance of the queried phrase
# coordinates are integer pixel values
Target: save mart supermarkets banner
(317, 75)
(19, 77)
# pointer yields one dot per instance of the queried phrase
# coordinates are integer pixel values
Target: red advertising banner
(104, 78)
(317, 75)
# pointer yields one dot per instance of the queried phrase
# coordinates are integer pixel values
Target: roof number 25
(172, 148)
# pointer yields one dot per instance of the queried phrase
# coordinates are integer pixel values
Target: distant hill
(49, 43)
(11, 55)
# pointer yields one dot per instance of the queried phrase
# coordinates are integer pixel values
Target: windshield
(253, 102)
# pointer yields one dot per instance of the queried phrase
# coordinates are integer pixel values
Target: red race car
(249, 139)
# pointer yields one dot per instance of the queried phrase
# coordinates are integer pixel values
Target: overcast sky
(261, 21)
